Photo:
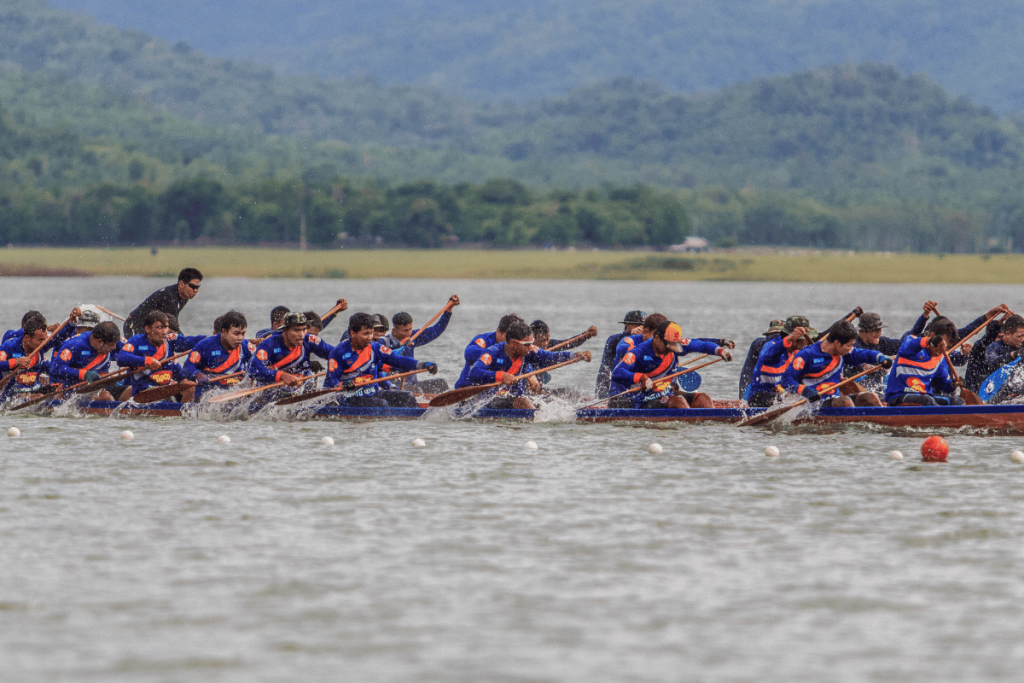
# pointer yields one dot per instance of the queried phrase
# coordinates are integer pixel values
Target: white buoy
(531, 445)
(771, 452)
(13, 431)
(127, 435)
(327, 441)
(1016, 456)
(895, 455)
(655, 448)
(224, 438)
(419, 443)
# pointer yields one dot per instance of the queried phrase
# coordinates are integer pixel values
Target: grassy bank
(783, 266)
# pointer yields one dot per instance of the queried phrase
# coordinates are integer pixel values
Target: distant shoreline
(754, 264)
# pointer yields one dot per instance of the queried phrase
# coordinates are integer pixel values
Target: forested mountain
(490, 50)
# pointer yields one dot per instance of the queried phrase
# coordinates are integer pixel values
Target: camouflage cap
(775, 326)
(795, 321)
(870, 322)
(381, 322)
(294, 319)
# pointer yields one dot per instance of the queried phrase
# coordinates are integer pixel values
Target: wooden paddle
(585, 335)
(458, 395)
(8, 378)
(973, 332)
(769, 415)
(154, 394)
(289, 400)
(338, 308)
(447, 307)
(110, 312)
(232, 395)
(660, 379)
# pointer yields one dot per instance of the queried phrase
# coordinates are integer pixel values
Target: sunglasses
(195, 288)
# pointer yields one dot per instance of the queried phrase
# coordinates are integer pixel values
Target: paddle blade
(232, 395)
(458, 395)
(690, 381)
(289, 400)
(769, 415)
(154, 394)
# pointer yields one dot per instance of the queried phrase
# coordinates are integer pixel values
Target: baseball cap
(672, 334)
(293, 319)
(869, 322)
(634, 318)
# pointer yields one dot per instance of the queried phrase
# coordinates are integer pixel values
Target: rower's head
(775, 328)
(504, 324)
(401, 325)
(314, 325)
(633, 319)
(940, 329)
(104, 337)
(651, 324)
(541, 333)
(217, 324)
(172, 323)
(1013, 331)
(293, 329)
(189, 280)
(35, 331)
(157, 325)
(232, 329)
(799, 322)
(380, 326)
(89, 318)
(870, 325)
(668, 337)
(518, 339)
(360, 330)
(277, 314)
(839, 339)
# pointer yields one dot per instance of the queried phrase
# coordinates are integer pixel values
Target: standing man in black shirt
(170, 300)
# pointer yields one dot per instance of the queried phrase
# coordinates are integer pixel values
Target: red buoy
(934, 449)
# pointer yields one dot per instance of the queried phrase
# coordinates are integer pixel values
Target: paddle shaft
(769, 415)
(156, 393)
(231, 395)
(289, 400)
(585, 335)
(38, 349)
(447, 307)
(458, 395)
(110, 312)
(660, 379)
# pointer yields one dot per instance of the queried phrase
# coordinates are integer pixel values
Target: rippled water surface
(173, 557)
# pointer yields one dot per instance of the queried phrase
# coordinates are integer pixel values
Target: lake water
(173, 557)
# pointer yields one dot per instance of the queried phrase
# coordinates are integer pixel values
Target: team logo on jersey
(262, 355)
(313, 338)
(3, 355)
(385, 350)
(486, 359)
(915, 384)
(629, 358)
(332, 365)
(162, 377)
(252, 347)
(66, 355)
(171, 336)
(194, 357)
(798, 363)
(129, 348)
(481, 343)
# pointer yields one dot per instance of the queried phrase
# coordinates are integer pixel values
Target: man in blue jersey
(480, 343)
(85, 357)
(220, 361)
(765, 387)
(358, 360)
(632, 323)
(23, 356)
(504, 361)
(747, 371)
(147, 350)
(402, 331)
(649, 363)
(284, 355)
(921, 372)
(817, 369)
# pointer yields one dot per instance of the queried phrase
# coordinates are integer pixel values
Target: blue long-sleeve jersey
(135, 352)
(428, 335)
(211, 358)
(273, 357)
(472, 352)
(494, 363)
(76, 358)
(27, 378)
(814, 371)
(916, 371)
(348, 365)
(772, 363)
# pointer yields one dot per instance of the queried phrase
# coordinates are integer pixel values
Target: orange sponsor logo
(629, 358)
(798, 363)
(332, 365)
(486, 359)
(66, 355)
(262, 354)
(129, 348)
(481, 343)
(194, 357)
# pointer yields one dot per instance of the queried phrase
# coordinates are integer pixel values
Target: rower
(776, 355)
(818, 368)
(870, 326)
(747, 371)
(277, 314)
(631, 323)
(14, 356)
(85, 356)
(480, 343)
(181, 342)
(629, 342)
(921, 369)
(359, 359)
(380, 326)
(542, 336)
(516, 355)
(1007, 347)
(402, 331)
(655, 358)
(225, 353)
(170, 299)
(978, 365)
(146, 350)
(284, 355)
